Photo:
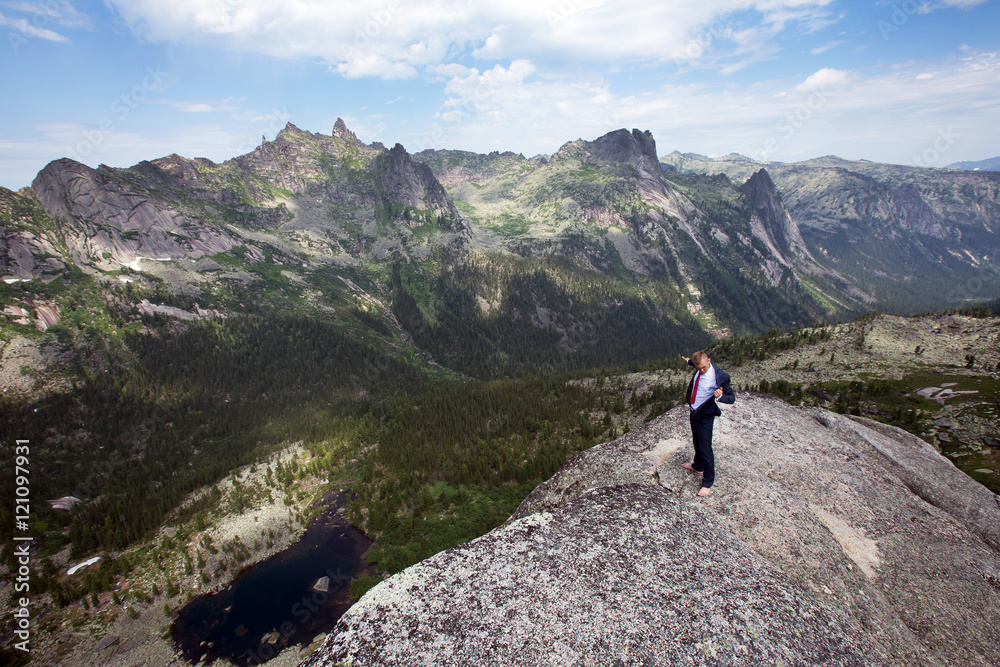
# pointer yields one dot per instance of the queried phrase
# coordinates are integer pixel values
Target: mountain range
(989, 164)
(602, 252)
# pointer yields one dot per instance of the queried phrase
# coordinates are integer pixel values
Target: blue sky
(121, 81)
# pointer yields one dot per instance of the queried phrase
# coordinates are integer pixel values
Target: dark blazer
(709, 408)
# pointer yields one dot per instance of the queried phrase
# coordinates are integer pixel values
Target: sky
(120, 81)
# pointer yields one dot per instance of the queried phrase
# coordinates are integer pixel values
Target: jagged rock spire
(763, 196)
(340, 130)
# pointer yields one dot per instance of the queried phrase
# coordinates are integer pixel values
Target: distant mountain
(989, 164)
(607, 208)
(898, 234)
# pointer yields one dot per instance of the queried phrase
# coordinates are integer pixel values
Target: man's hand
(686, 359)
(718, 392)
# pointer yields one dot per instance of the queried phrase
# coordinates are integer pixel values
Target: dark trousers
(704, 459)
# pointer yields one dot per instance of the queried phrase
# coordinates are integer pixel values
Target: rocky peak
(621, 146)
(290, 135)
(291, 128)
(414, 184)
(173, 164)
(340, 130)
(776, 224)
(824, 543)
(49, 184)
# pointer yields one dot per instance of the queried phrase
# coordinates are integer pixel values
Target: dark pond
(272, 605)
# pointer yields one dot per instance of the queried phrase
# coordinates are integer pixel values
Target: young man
(707, 385)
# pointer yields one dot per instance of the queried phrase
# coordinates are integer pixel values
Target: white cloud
(826, 47)
(892, 117)
(889, 117)
(824, 79)
(199, 107)
(361, 65)
(195, 107)
(963, 4)
(813, 16)
(57, 11)
(28, 30)
(393, 39)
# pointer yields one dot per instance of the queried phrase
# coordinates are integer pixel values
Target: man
(707, 385)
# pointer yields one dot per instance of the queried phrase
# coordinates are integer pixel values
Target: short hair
(699, 357)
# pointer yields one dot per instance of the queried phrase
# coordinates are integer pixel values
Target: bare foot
(691, 468)
(705, 491)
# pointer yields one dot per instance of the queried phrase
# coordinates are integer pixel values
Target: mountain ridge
(989, 164)
(592, 241)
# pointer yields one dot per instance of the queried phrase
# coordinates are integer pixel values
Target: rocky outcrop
(620, 146)
(831, 193)
(882, 232)
(776, 227)
(174, 208)
(46, 314)
(340, 130)
(413, 184)
(148, 309)
(915, 214)
(28, 247)
(26, 256)
(829, 540)
(109, 225)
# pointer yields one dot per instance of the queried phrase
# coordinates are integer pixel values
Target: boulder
(106, 642)
(829, 540)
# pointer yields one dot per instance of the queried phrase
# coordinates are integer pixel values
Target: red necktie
(694, 393)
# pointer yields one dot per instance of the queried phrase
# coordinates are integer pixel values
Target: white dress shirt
(706, 387)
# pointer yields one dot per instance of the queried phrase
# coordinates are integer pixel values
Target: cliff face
(776, 225)
(413, 184)
(829, 540)
(831, 193)
(881, 233)
(110, 224)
